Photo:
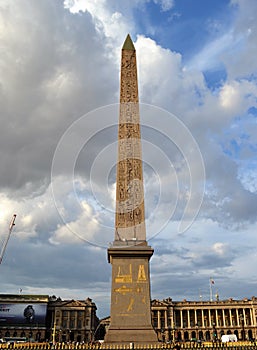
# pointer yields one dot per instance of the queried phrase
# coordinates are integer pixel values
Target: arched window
(193, 335)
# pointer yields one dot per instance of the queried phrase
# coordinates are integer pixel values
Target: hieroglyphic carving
(124, 278)
(130, 288)
(131, 303)
(129, 190)
(128, 149)
(129, 130)
(123, 290)
(129, 112)
(128, 84)
(141, 277)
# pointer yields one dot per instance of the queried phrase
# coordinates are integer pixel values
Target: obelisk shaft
(130, 253)
(130, 212)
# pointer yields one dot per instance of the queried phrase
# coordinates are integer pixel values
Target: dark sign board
(23, 314)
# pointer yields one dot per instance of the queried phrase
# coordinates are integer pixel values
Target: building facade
(204, 320)
(71, 320)
(44, 318)
(179, 321)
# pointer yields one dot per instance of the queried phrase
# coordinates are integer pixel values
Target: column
(209, 313)
(181, 318)
(159, 319)
(223, 318)
(237, 316)
(230, 318)
(217, 318)
(203, 325)
(188, 319)
(251, 317)
(165, 320)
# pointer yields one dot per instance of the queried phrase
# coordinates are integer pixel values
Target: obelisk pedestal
(130, 253)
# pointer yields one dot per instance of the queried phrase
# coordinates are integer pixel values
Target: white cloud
(239, 63)
(210, 57)
(220, 248)
(237, 96)
(83, 229)
(108, 21)
(166, 5)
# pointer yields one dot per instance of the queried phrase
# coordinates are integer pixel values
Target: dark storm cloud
(42, 265)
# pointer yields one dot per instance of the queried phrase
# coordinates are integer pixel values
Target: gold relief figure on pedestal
(124, 278)
(139, 289)
(123, 290)
(130, 306)
(141, 276)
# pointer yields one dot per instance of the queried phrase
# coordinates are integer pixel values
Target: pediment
(74, 303)
(157, 302)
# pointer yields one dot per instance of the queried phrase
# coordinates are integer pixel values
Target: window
(155, 319)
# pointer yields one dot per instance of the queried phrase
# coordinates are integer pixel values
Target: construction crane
(12, 223)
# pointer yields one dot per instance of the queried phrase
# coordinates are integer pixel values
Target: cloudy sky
(59, 89)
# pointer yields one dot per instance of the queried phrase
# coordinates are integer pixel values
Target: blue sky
(187, 26)
(59, 89)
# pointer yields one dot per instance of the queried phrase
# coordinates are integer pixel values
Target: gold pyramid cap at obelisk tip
(128, 44)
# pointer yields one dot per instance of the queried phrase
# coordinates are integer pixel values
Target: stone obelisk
(130, 254)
